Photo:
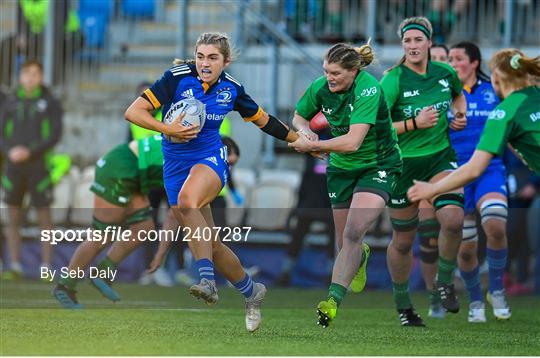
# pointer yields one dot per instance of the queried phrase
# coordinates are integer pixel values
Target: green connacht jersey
(150, 162)
(516, 120)
(408, 92)
(362, 103)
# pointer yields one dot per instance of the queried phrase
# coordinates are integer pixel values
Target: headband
(416, 27)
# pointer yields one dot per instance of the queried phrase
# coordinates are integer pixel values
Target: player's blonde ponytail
(349, 57)
(514, 67)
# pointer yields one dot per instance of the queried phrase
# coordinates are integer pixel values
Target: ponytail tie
(514, 61)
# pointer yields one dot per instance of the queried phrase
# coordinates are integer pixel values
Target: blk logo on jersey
(398, 201)
(326, 110)
(535, 116)
(414, 93)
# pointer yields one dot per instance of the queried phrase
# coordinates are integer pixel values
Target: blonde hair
(349, 57)
(417, 20)
(218, 39)
(514, 67)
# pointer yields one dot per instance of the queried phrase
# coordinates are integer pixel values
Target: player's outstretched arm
(276, 128)
(347, 143)
(461, 176)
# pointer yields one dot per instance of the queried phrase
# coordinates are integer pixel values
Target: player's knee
(402, 245)
(495, 232)
(466, 256)
(187, 200)
(354, 233)
(452, 222)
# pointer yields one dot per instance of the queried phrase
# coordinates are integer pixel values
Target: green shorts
(421, 168)
(117, 176)
(342, 184)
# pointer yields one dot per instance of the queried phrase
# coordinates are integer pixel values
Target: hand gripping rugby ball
(195, 112)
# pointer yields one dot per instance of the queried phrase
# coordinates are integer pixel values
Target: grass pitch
(167, 321)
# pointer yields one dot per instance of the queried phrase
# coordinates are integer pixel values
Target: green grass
(166, 321)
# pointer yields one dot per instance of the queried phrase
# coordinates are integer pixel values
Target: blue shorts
(492, 181)
(175, 172)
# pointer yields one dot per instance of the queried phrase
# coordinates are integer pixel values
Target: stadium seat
(244, 179)
(271, 205)
(97, 7)
(93, 27)
(288, 177)
(138, 8)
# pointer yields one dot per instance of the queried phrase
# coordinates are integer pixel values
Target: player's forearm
(464, 174)
(299, 122)
(343, 144)
(276, 128)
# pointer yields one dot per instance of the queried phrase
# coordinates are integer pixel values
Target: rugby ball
(195, 112)
(318, 123)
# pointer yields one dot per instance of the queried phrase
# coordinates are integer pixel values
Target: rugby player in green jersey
(123, 178)
(419, 94)
(515, 121)
(365, 161)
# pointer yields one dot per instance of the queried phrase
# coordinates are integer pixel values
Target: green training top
(408, 92)
(362, 103)
(150, 163)
(516, 120)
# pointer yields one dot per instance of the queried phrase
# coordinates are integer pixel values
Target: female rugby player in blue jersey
(487, 194)
(195, 168)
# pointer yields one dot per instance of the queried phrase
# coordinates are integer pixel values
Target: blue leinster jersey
(226, 95)
(481, 100)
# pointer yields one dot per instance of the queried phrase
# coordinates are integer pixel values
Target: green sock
(107, 263)
(337, 292)
(434, 297)
(69, 282)
(400, 291)
(446, 271)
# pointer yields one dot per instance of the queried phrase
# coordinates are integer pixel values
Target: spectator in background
(444, 15)
(31, 124)
(439, 53)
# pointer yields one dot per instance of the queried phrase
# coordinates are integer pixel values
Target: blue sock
(497, 262)
(205, 268)
(472, 283)
(245, 286)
